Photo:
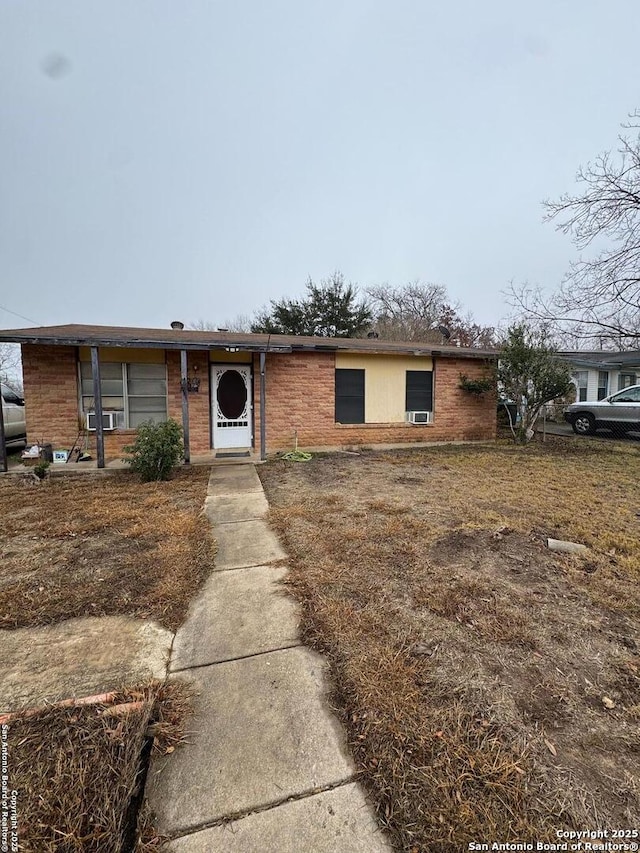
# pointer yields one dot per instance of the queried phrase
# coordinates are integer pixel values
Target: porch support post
(185, 405)
(3, 442)
(97, 405)
(263, 426)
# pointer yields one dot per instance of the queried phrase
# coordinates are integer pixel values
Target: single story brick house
(256, 392)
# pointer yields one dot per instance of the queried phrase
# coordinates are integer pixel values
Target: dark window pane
(603, 384)
(349, 396)
(419, 394)
(625, 380)
(232, 395)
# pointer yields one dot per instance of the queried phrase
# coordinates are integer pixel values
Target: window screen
(146, 393)
(419, 393)
(111, 386)
(349, 396)
(137, 390)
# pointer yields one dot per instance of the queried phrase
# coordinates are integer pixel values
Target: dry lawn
(97, 546)
(88, 545)
(469, 663)
(78, 770)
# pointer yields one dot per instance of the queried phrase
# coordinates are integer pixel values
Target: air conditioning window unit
(110, 421)
(419, 417)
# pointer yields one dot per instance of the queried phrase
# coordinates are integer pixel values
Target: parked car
(619, 412)
(15, 427)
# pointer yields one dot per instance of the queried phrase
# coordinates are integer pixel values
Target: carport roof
(602, 359)
(124, 336)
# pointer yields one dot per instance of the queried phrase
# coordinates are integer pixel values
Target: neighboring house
(599, 373)
(243, 391)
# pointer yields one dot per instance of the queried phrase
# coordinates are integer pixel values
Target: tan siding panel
(384, 383)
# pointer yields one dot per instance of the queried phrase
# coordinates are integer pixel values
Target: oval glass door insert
(231, 395)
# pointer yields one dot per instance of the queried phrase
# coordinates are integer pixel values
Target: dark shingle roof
(81, 335)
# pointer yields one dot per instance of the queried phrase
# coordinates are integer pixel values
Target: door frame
(247, 365)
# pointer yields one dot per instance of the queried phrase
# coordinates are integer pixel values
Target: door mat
(232, 455)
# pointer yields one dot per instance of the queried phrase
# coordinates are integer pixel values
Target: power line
(22, 317)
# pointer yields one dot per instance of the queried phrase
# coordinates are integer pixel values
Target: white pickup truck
(15, 427)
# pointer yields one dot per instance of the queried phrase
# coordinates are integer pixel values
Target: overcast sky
(183, 160)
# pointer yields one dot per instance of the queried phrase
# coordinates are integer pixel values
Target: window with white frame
(603, 384)
(138, 392)
(581, 378)
(626, 380)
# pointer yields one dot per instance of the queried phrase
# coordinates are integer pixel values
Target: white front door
(231, 406)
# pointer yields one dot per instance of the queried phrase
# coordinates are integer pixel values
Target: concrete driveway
(553, 428)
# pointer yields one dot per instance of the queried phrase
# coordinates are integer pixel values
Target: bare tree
(417, 312)
(407, 313)
(599, 299)
(240, 323)
(11, 366)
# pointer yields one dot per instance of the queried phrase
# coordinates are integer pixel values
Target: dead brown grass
(95, 546)
(469, 663)
(77, 769)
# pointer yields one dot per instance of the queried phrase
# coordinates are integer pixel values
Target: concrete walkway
(266, 768)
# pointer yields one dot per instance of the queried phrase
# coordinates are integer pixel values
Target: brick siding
(50, 375)
(199, 403)
(300, 397)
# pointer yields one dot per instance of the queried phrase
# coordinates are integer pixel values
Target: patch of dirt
(95, 546)
(491, 689)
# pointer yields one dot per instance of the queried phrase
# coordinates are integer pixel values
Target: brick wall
(50, 377)
(51, 394)
(300, 389)
(300, 396)
(199, 403)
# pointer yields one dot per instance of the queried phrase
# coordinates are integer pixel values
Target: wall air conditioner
(419, 417)
(109, 421)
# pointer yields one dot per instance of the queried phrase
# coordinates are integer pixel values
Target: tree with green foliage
(330, 310)
(530, 375)
(157, 450)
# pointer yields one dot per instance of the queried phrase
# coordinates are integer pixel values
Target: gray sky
(183, 160)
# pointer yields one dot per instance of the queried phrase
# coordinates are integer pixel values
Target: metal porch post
(263, 425)
(3, 442)
(97, 405)
(185, 405)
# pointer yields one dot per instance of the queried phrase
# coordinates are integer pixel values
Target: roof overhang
(125, 338)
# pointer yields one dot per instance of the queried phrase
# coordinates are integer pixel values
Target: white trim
(239, 433)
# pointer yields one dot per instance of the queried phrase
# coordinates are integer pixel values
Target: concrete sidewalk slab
(337, 821)
(246, 506)
(237, 613)
(265, 733)
(233, 479)
(246, 543)
(79, 657)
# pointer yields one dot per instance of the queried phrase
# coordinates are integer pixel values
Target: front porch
(211, 459)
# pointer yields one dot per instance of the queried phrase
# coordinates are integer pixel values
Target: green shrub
(41, 469)
(157, 450)
(477, 386)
